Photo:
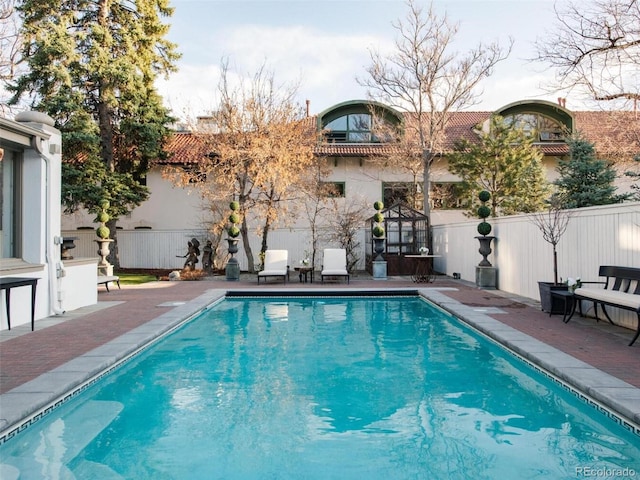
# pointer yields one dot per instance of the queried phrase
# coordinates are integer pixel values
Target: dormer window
(540, 127)
(353, 122)
(352, 128)
(546, 122)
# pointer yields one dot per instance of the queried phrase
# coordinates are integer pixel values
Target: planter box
(487, 277)
(550, 304)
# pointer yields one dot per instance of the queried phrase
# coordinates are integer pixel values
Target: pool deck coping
(26, 403)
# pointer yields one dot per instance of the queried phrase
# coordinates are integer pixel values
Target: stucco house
(30, 233)
(173, 214)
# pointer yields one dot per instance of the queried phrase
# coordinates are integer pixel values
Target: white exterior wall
(40, 145)
(78, 287)
(175, 208)
(167, 208)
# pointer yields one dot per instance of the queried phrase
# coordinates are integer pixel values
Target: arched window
(355, 122)
(351, 128)
(544, 121)
(540, 127)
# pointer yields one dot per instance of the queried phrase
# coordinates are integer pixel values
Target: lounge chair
(334, 263)
(275, 265)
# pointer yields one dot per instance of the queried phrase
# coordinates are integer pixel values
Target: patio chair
(275, 265)
(334, 263)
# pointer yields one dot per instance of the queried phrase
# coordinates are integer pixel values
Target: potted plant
(553, 224)
(232, 269)
(486, 274)
(378, 233)
(484, 229)
(103, 240)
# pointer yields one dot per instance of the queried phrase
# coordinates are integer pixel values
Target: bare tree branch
(427, 77)
(10, 48)
(553, 225)
(595, 47)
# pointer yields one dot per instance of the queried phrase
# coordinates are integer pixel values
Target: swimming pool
(324, 388)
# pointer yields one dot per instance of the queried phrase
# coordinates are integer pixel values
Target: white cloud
(325, 58)
(324, 64)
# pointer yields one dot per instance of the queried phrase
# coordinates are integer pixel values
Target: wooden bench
(106, 279)
(621, 290)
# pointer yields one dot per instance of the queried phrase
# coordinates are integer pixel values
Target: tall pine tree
(584, 180)
(92, 66)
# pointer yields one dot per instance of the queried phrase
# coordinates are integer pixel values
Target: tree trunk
(244, 231)
(104, 112)
(265, 234)
(427, 158)
(114, 255)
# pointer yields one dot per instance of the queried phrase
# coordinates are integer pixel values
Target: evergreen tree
(506, 164)
(584, 180)
(92, 66)
(635, 175)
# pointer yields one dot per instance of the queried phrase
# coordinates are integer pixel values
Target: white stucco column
(42, 169)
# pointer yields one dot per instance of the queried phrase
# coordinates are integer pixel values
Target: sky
(325, 45)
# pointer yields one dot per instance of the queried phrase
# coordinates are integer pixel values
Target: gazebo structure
(406, 231)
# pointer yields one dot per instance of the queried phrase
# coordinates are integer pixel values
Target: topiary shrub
(484, 228)
(484, 196)
(103, 217)
(484, 211)
(232, 230)
(378, 218)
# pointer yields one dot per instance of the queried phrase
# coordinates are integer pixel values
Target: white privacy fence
(608, 235)
(165, 249)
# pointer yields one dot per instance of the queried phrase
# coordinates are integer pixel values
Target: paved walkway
(68, 349)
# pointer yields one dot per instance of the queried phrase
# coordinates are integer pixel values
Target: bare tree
(595, 46)
(405, 156)
(10, 47)
(345, 221)
(318, 203)
(552, 223)
(259, 149)
(426, 77)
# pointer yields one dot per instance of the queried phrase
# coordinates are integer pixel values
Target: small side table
(568, 302)
(7, 283)
(424, 268)
(303, 272)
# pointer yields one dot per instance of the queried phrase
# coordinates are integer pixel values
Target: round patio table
(424, 268)
(303, 272)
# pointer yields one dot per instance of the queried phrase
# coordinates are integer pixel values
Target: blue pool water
(324, 388)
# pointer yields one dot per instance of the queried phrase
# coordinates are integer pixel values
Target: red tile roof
(608, 130)
(186, 148)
